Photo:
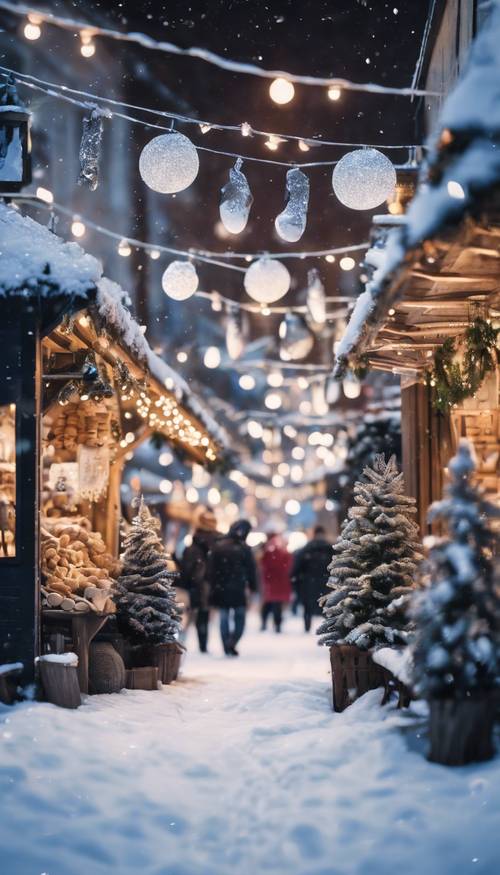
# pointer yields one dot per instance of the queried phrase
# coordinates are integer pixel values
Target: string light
(154, 254)
(180, 280)
(281, 91)
(87, 48)
(292, 507)
(303, 146)
(247, 382)
(298, 453)
(165, 487)
(32, 29)
(455, 190)
(334, 93)
(165, 458)
(347, 263)
(273, 401)
(192, 494)
(45, 195)
(212, 357)
(213, 496)
(78, 228)
(124, 248)
(255, 429)
(275, 379)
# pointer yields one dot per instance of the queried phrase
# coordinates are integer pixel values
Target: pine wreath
(455, 382)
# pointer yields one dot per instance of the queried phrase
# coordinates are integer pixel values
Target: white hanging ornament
(90, 149)
(291, 223)
(364, 179)
(235, 341)
(332, 391)
(351, 386)
(169, 163)
(236, 200)
(296, 339)
(315, 300)
(180, 280)
(318, 400)
(266, 280)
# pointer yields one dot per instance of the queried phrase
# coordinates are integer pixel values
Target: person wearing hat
(194, 566)
(232, 573)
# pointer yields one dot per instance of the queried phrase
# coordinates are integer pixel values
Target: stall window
(7, 480)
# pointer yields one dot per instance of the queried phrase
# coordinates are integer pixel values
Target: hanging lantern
(291, 223)
(315, 300)
(296, 339)
(266, 280)
(364, 179)
(180, 280)
(235, 341)
(236, 200)
(15, 140)
(169, 163)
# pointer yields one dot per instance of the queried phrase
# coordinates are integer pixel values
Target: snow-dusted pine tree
(456, 650)
(145, 599)
(372, 573)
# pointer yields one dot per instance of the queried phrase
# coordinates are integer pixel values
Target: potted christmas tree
(147, 612)
(372, 576)
(455, 653)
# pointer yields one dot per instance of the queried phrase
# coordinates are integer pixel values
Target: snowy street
(240, 767)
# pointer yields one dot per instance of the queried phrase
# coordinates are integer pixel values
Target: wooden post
(426, 447)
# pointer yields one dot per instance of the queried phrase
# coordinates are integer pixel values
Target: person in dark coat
(194, 571)
(275, 566)
(310, 573)
(231, 574)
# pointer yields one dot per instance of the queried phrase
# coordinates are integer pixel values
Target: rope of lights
(218, 259)
(244, 128)
(274, 138)
(207, 56)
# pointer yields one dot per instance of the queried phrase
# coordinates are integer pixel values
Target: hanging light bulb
(296, 339)
(275, 379)
(351, 386)
(273, 401)
(315, 300)
(347, 263)
(266, 280)
(212, 357)
(154, 254)
(255, 430)
(298, 453)
(303, 383)
(78, 228)
(124, 248)
(235, 342)
(247, 382)
(334, 92)
(32, 29)
(87, 48)
(303, 146)
(292, 507)
(180, 280)
(281, 91)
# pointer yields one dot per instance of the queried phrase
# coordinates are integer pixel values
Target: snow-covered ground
(241, 768)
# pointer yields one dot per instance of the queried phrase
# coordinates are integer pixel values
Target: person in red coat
(275, 567)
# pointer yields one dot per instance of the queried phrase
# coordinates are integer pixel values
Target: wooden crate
(353, 673)
(143, 678)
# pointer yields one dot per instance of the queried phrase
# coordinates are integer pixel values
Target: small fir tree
(372, 572)
(455, 653)
(146, 606)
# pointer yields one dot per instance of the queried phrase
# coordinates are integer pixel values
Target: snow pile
(8, 667)
(240, 767)
(70, 659)
(31, 257)
(398, 662)
(471, 168)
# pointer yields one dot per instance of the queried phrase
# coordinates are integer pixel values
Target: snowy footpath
(240, 768)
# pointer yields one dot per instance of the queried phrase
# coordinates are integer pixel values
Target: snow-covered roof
(471, 115)
(32, 257)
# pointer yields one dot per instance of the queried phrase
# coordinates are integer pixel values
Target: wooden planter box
(353, 673)
(168, 659)
(60, 683)
(461, 730)
(144, 678)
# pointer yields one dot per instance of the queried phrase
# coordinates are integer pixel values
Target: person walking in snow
(194, 571)
(310, 573)
(232, 574)
(275, 566)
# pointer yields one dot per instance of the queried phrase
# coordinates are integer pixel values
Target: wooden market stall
(431, 308)
(81, 389)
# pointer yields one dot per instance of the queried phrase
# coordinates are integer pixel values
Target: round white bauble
(364, 179)
(180, 280)
(169, 163)
(266, 280)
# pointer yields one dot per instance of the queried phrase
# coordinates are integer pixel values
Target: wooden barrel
(60, 683)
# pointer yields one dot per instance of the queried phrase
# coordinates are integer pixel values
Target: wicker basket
(353, 673)
(106, 668)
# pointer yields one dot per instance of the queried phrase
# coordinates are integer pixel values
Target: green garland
(454, 382)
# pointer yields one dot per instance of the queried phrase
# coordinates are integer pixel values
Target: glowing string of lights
(148, 42)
